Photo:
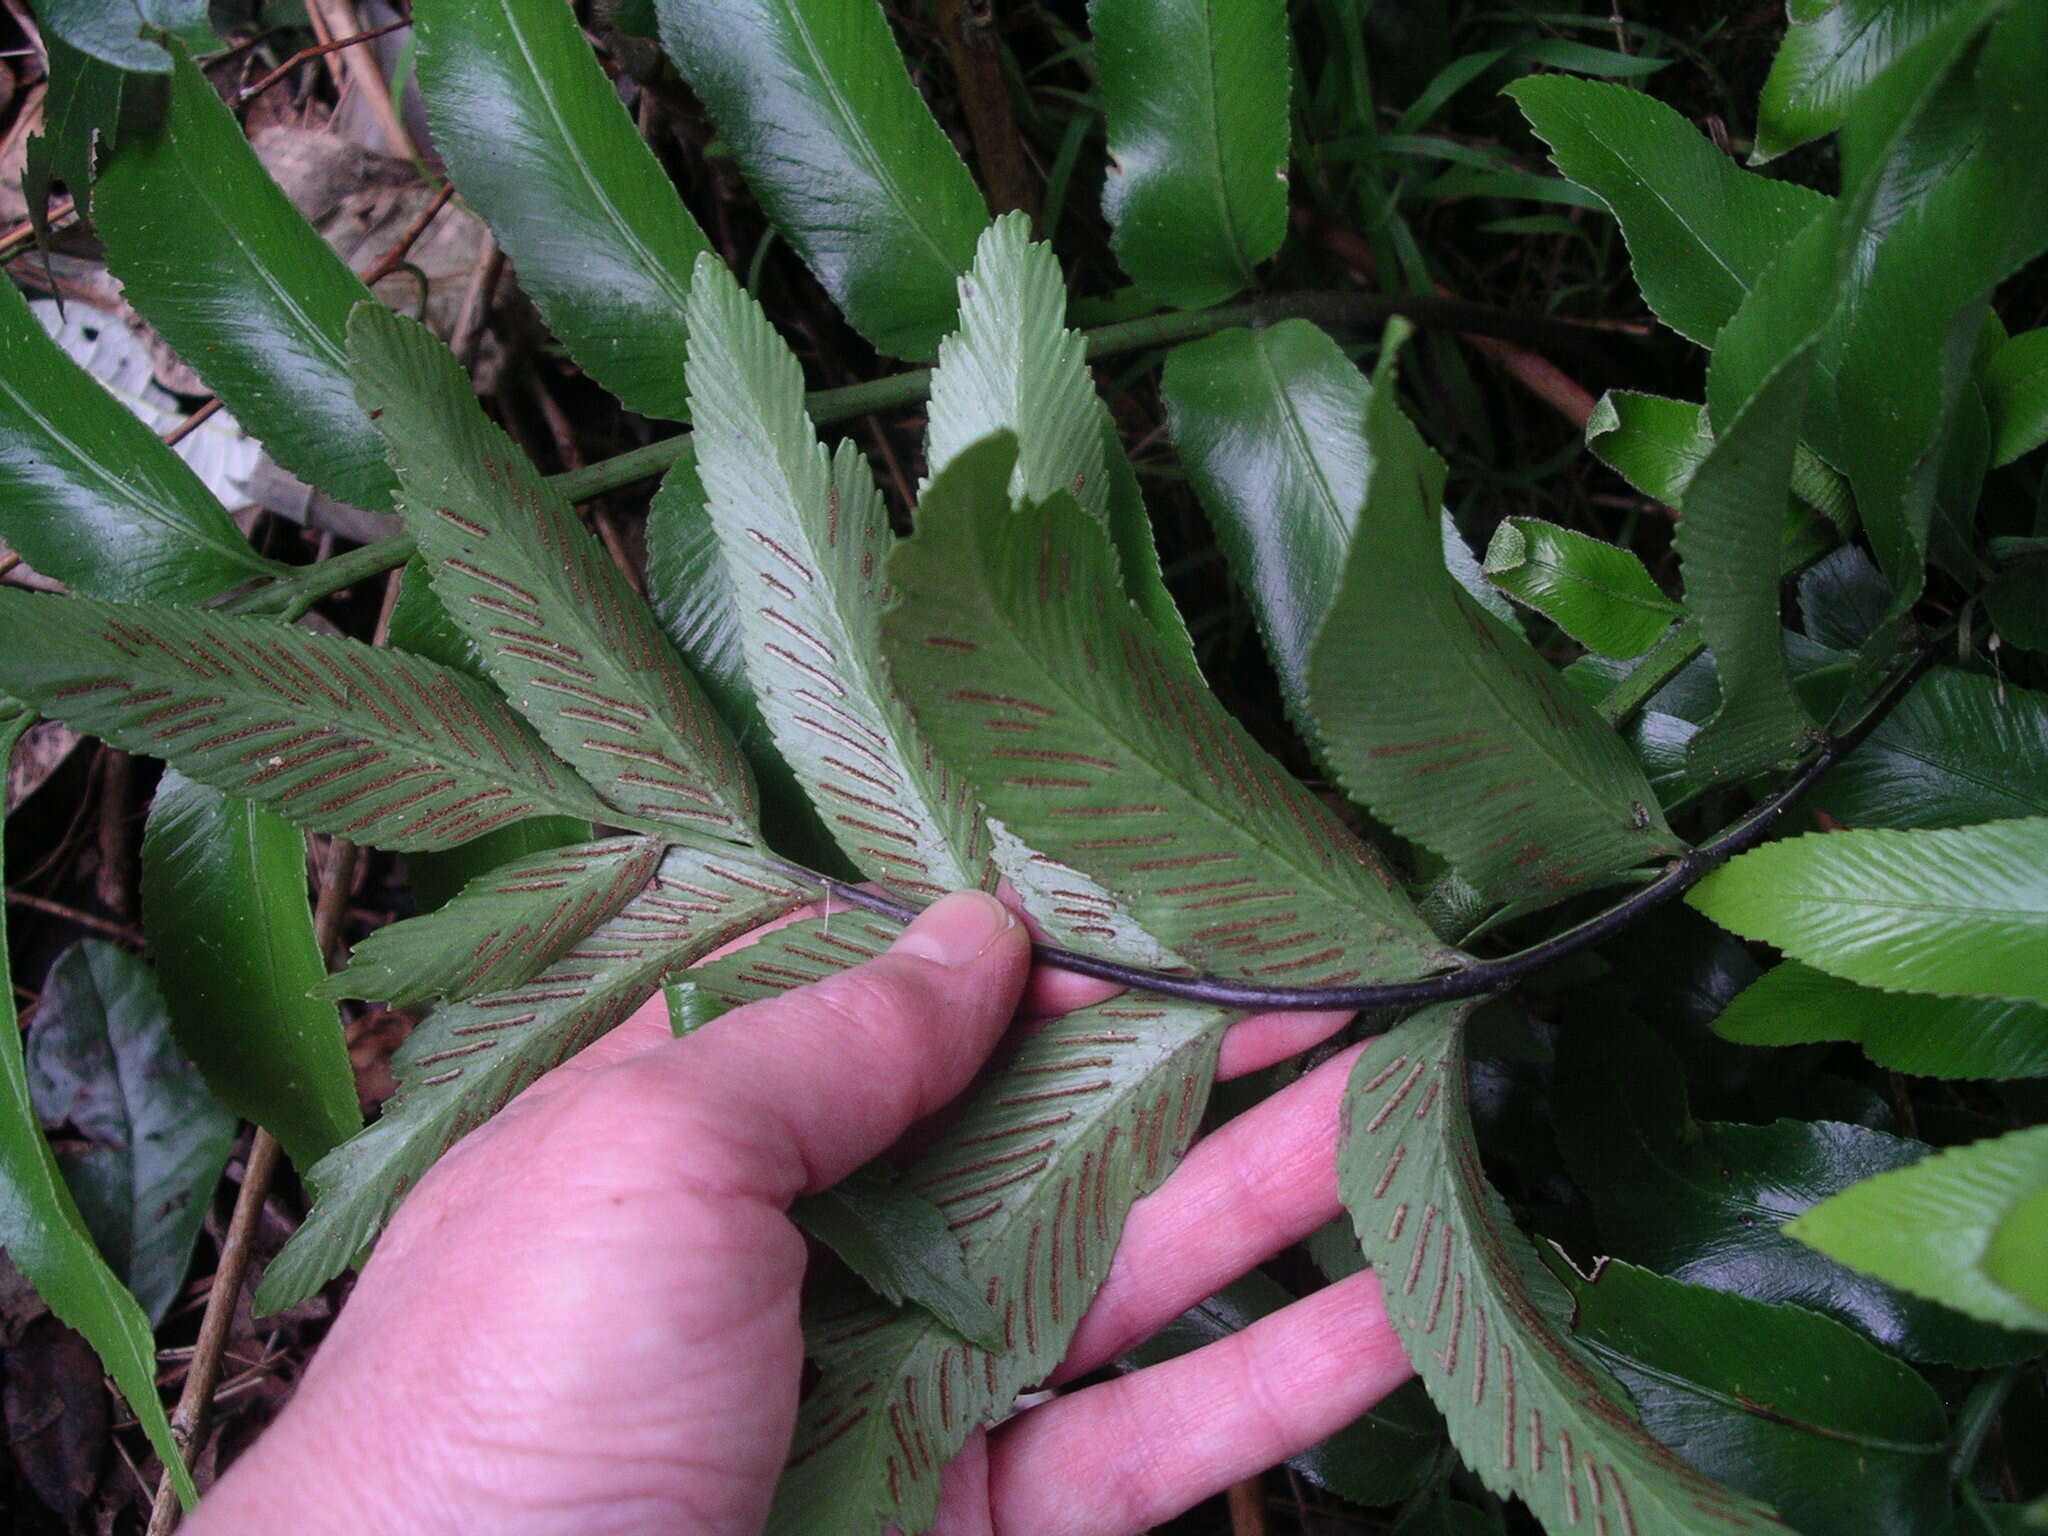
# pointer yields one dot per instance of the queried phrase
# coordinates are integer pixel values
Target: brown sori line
(983, 1165)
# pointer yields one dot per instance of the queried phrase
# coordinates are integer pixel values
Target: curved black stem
(1479, 979)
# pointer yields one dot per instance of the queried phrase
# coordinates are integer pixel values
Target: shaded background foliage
(1411, 174)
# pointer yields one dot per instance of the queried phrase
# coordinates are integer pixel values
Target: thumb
(799, 1090)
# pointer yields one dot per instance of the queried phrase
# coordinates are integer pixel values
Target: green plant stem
(290, 597)
(1979, 1413)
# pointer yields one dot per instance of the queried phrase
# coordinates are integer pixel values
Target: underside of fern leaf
(505, 927)
(1099, 746)
(468, 1059)
(1485, 1324)
(332, 734)
(572, 644)
(805, 538)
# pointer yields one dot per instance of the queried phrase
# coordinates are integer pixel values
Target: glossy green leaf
(1485, 1324)
(899, 1244)
(1963, 1037)
(1652, 442)
(1130, 530)
(1959, 748)
(1788, 1406)
(421, 626)
(813, 100)
(333, 734)
(1963, 1227)
(1843, 598)
(2016, 389)
(1983, 214)
(1700, 229)
(1391, 1453)
(1194, 96)
(89, 496)
(1474, 745)
(1833, 49)
(505, 927)
(686, 588)
(224, 905)
(533, 133)
(1706, 1202)
(1960, 912)
(1100, 747)
(1038, 1224)
(215, 256)
(806, 538)
(46, 1240)
(123, 32)
(468, 1059)
(1655, 443)
(564, 635)
(151, 1141)
(1596, 592)
(1270, 424)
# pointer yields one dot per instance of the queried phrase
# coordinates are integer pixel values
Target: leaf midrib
(545, 91)
(120, 493)
(1230, 819)
(863, 146)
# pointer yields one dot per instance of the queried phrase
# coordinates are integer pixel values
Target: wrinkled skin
(584, 1320)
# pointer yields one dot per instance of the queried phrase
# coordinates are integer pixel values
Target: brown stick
(306, 55)
(968, 28)
(358, 65)
(394, 258)
(189, 1420)
(191, 424)
(1247, 1503)
(112, 930)
(116, 785)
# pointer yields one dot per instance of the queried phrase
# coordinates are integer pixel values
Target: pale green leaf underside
(1036, 1179)
(1013, 366)
(1958, 912)
(572, 644)
(1472, 745)
(1485, 1323)
(331, 734)
(505, 927)
(1961, 1037)
(806, 538)
(899, 1244)
(1100, 747)
(468, 1059)
(1939, 1228)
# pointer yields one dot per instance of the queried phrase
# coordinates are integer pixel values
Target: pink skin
(585, 1318)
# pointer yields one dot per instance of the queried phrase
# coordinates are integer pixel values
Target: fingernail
(955, 929)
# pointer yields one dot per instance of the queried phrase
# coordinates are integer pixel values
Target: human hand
(585, 1317)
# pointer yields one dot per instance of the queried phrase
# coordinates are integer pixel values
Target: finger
(963, 1491)
(1264, 1038)
(1244, 1192)
(794, 1092)
(1134, 1452)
